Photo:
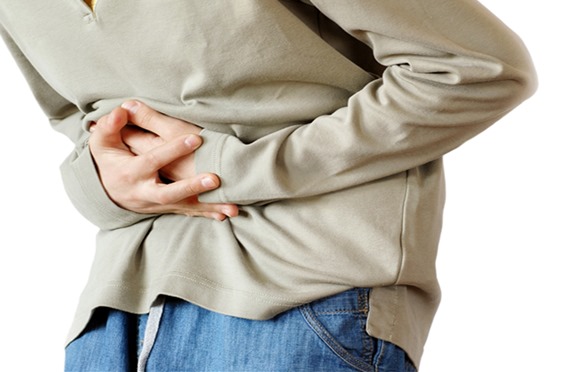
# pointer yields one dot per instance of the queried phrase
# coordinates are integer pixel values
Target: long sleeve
(79, 174)
(451, 70)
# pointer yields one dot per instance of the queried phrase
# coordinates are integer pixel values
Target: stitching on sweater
(274, 300)
(403, 225)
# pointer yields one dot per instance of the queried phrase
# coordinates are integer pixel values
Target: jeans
(325, 335)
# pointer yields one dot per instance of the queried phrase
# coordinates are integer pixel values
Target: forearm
(79, 174)
(451, 70)
(87, 194)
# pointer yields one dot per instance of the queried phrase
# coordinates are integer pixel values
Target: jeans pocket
(340, 322)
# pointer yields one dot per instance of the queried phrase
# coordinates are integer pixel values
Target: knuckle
(191, 189)
(134, 198)
(126, 176)
(147, 116)
(162, 198)
(156, 141)
(150, 160)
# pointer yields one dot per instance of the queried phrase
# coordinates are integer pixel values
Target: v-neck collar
(91, 3)
(88, 9)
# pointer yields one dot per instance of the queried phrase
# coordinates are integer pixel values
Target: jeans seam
(367, 340)
(331, 342)
(380, 356)
(341, 311)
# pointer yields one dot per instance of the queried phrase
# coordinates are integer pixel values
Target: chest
(174, 49)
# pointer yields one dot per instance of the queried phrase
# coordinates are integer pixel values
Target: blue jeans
(326, 335)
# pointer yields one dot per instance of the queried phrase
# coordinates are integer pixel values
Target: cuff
(208, 160)
(85, 190)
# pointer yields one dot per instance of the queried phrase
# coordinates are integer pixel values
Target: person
(266, 176)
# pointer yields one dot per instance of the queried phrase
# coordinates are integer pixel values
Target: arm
(132, 180)
(451, 70)
(81, 179)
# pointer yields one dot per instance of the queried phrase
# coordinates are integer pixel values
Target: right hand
(132, 181)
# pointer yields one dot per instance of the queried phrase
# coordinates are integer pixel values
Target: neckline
(87, 12)
(91, 4)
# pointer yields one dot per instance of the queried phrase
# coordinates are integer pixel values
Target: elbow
(527, 80)
(530, 82)
(512, 85)
(519, 68)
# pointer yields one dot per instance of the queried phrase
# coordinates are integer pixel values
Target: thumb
(107, 132)
(114, 122)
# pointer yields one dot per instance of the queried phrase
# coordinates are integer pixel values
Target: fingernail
(191, 141)
(131, 106)
(110, 119)
(208, 182)
(227, 212)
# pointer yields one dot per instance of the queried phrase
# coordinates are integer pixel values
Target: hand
(152, 129)
(132, 181)
(140, 142)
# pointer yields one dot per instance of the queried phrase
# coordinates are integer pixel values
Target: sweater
(325, 120)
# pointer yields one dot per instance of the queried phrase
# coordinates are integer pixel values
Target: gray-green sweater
(325, 119)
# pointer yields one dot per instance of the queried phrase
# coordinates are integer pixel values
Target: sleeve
(451, 69)
(78, 171)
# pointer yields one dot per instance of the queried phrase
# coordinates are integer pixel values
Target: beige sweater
(326, 121)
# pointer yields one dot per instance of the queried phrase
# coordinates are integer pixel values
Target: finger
(153, 121)
(106, 132)
(112, 123)
(170, 194)
(215, 211)
(140, 141)
(145, 117)
(218, 211)
(158, 157)
(185, 208)
(192, 208)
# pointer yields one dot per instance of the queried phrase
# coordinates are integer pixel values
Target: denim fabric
(108, 343)
(326, 335)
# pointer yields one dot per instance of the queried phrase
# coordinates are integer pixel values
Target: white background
(511, 258)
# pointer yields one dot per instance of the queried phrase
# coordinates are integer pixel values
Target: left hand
(152, 129)
(133, 181)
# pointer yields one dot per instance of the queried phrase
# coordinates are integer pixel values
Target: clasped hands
(146, 163)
